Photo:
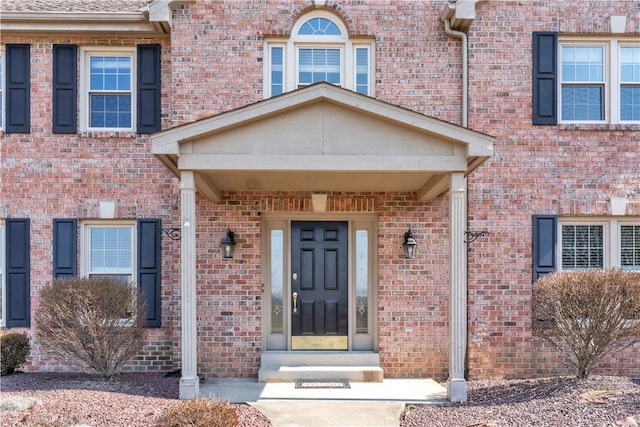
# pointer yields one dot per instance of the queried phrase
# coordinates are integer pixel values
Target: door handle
(295, 302)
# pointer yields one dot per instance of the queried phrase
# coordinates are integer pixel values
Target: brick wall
(213, 63)
(47, 176)
(564, 170)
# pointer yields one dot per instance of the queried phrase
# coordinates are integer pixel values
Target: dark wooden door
(319, 285)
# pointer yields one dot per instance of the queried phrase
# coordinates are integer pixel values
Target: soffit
(322, 138)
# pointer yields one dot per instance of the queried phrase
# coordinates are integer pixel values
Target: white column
(189, 383)
(456, 384)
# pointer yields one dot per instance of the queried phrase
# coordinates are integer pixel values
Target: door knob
(295, 302)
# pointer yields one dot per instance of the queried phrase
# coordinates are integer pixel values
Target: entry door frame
(356, 222)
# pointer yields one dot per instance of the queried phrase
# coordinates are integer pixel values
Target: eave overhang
(322, 138)
(154, 19)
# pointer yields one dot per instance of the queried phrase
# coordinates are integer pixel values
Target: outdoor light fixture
(229, 244)
(409, 245)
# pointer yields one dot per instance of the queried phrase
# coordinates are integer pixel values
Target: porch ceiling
(322, 138)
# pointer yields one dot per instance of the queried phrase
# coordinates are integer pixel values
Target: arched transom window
(319, 50)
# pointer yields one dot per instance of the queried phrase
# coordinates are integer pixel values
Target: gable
(322, 128)
(322, 136)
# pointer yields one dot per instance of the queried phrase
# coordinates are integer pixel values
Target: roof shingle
(123, 6)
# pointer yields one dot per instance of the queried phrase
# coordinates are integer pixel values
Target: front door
(319, 285)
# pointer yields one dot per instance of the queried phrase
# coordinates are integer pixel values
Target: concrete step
(321, 373)
(321, 365)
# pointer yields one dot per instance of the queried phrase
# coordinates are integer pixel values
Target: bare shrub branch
(99, 321)
(588, 313)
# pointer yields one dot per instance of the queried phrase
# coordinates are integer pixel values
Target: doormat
(322, 384)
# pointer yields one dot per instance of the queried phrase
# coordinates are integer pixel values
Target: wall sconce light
(410, 245)
(229, 244)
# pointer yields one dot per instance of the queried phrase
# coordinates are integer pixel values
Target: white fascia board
(328, 163)
(79, 22)
(164, 146)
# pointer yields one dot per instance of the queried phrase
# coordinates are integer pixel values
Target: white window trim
(85, 54)
(85, 246)
(292, 44)
(611, 236)
(611, 96)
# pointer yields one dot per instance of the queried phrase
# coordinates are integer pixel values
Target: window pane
(277, 280)
(630, 247)
(110, 111)
(362, 71)
(582, 246)
(362, 282)
(277, 71)
(110, 250)
(319, 26)
(582, 64)
(317, 65)
(630, 64)
(582, 103)
(110, 73)
(630, 102)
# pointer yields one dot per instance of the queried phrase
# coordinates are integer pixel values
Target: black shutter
(149, 274)
(18, 273)
(65, 248)
(545, 236)
(545, 71)
(148, 87)
(18, 88)
(65, 88)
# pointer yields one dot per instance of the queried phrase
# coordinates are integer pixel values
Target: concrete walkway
(363, 404)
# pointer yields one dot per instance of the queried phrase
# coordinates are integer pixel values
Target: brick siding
(213, 62)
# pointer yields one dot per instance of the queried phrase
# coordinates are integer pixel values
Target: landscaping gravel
(553, 402)
(137, 399)
(130, 399)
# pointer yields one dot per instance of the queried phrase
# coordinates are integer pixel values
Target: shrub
(588, 313)
(99, 321)
(199, 413)
(14, 350)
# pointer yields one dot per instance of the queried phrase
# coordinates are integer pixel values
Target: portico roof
(322, 138)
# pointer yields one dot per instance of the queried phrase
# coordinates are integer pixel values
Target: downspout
(465, 119)
(465, 67)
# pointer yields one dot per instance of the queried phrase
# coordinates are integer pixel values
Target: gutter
(153, 19)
